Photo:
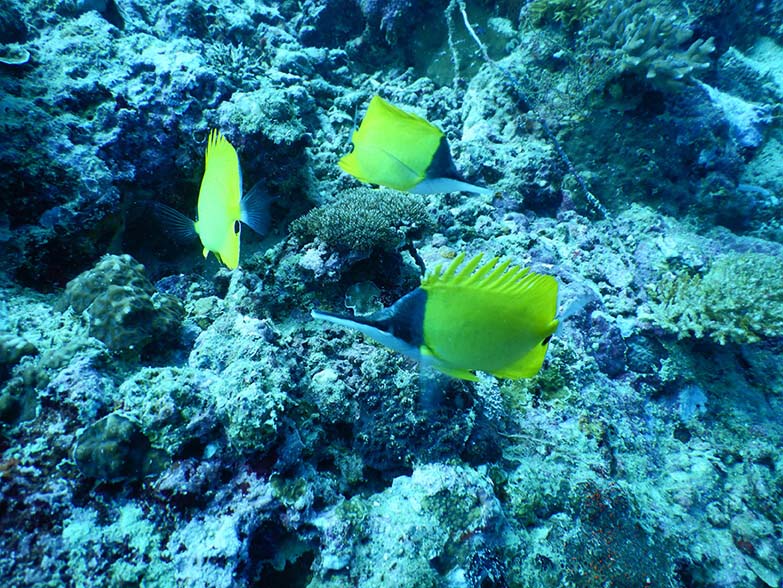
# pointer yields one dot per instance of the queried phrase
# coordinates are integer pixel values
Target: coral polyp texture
(167, 421)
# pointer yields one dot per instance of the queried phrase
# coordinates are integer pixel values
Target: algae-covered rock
(122, 306)
(437, 523)
(251, 379)
(114, 449)
(173, 407)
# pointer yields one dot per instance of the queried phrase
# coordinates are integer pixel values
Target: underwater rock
(114, 449)
(612, 548)
(432, 524)
(746, 120)
(330, 23)
(122, 306)
(13, 28)
(81, 387)
(253, 378)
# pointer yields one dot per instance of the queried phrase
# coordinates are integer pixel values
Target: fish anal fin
(458, 373)
(526, 367)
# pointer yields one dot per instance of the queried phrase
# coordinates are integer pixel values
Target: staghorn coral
(363, 219)
(637, 38)
(739, 300)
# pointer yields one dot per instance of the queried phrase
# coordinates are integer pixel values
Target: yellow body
(391, 147)
(219, 201)
(497, 319)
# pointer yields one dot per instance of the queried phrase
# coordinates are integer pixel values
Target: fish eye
(547, 340)
(237, 226)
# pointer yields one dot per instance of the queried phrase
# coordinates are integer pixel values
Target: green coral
(739, 300)
(363, 219)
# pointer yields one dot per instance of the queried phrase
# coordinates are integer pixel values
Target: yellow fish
(221, 205)
(497, 319)
(400, 150)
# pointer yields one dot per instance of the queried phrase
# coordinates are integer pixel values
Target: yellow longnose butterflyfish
(400, 150)
(221, 205)
(496, 318)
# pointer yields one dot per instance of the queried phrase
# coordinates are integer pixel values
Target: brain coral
(122, 306)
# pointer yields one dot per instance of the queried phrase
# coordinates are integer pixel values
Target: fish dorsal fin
(486, 276)
(493, 276)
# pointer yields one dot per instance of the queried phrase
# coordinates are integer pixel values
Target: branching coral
(738, 300)
(364, 220)
(639, 39)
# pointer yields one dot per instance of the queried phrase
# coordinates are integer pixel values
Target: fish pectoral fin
(254, 208)
(527, 367)
(206, 252)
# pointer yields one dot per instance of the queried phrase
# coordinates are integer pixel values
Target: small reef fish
(497, 319)
(400, 150)
(221, 205)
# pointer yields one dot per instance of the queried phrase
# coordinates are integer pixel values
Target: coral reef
(639, 39)
(179, 424)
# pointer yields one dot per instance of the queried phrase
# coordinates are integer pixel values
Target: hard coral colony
(543, 244)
